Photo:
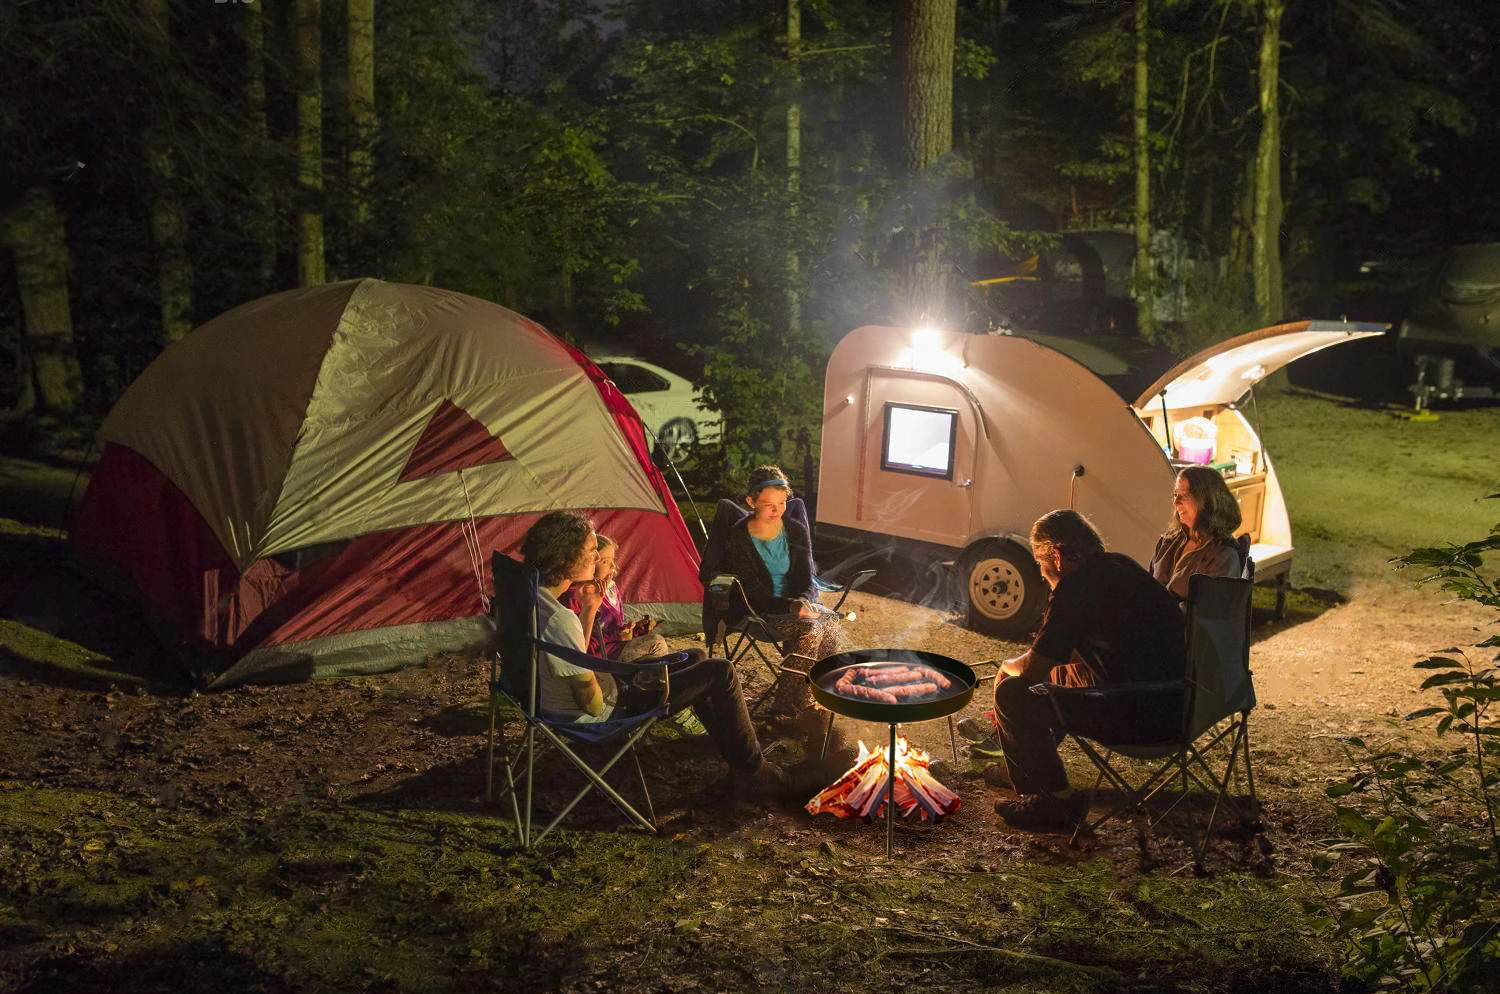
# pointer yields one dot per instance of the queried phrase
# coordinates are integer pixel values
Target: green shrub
(1418, 902)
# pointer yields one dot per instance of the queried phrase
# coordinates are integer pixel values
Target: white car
(671, 407)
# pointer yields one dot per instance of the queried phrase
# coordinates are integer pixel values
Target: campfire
(861, 792)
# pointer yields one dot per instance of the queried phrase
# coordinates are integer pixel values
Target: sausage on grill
(912, 690)
(867, 693)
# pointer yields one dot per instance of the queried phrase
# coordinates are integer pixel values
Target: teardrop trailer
(945, 446)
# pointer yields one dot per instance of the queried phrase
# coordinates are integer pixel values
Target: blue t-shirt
(777, 557)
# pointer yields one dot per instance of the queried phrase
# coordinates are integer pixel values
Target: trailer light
(929, 353)
(926, 339)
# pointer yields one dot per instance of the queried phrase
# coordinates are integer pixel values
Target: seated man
(563, 548)
(1108, 621)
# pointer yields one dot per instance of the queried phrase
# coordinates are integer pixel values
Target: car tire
(676, 440)
(1003, 589)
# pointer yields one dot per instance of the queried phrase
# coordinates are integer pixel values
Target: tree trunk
(793, 164)
(1266, 228)
(923, 42)
(264, 222)
(361, 89)
(310, 267)
(1242, 220)
(51, 382)
(1143, 284)
(174, 269)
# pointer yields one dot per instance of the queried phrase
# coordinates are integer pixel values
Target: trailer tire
(1003, 589)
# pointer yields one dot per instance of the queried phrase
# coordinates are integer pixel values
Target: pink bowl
(1198, 450)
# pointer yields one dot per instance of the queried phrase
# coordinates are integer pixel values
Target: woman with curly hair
(564, 549)
(772, 556)
(1200, 538)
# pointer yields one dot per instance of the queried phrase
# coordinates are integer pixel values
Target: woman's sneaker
(688, 722)
(990, 748)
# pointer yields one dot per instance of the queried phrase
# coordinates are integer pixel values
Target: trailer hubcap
(996, 588)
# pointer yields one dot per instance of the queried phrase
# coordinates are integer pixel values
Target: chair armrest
(853, 583)
(1106, 690)
(599, 665)
(670, 659)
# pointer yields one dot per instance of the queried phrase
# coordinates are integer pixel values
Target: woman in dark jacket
(772, 557)
(1200, 538)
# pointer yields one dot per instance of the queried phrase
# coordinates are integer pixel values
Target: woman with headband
(772, 556)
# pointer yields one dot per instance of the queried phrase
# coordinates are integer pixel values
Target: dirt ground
(1326, 672)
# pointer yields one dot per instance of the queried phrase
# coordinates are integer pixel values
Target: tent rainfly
(311, 483)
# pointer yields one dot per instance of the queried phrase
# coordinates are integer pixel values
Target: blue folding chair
(513, 676)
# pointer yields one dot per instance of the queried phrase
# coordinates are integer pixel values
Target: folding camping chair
(724, 596)
(1214, 703)
(513, 676)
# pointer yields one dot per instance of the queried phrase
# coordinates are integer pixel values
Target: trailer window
(919, 440)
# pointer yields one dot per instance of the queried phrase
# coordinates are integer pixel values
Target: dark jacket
(743, 561)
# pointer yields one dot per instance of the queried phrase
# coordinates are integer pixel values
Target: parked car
(671, 407)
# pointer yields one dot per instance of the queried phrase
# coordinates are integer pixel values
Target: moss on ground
(326, 896)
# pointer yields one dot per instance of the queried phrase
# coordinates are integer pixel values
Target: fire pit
(892, 686)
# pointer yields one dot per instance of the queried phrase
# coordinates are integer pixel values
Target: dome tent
(311, 483)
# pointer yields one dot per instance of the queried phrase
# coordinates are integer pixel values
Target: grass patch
(1363, 485)
(35, 655)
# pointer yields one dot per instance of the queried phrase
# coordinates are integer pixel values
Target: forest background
(722, 186)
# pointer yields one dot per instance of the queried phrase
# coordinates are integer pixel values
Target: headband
(763, 484)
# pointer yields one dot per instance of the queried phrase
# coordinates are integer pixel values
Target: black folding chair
(797, 511)
(724, 596)
(513, 676)
(1208, 711)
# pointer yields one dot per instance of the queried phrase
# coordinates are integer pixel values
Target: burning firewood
(861, 791)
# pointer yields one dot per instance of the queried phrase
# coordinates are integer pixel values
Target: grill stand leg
(890, 795)
(953, 739)
(827, 737)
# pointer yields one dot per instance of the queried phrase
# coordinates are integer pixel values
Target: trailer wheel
(1004, 589)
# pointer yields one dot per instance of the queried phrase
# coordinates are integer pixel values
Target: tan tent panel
(233, 463)
(395, 359)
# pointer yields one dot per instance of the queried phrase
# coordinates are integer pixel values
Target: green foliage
(1418, 901)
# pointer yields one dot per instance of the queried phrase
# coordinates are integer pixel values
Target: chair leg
(1078, 828)
(645, 790)
(1249, 769)
(489, 756)
(530, 750)
(596, 779)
